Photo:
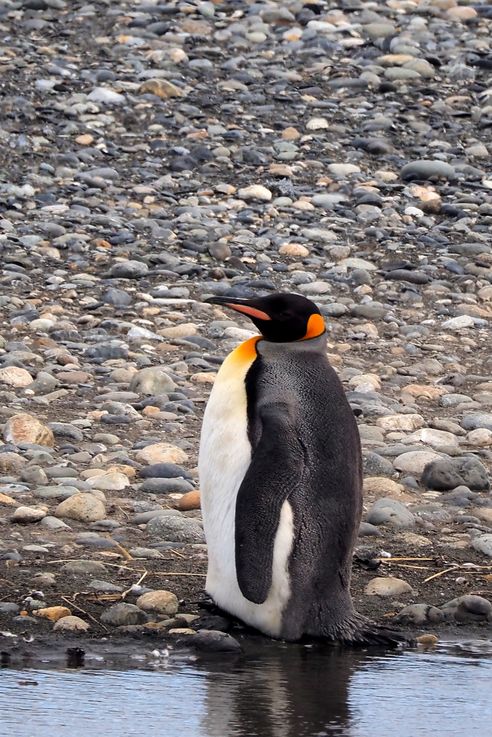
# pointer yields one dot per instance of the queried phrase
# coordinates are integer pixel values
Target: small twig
(125, 593)
(76, 560)
(180, 555)
(417, 568)
(391, 560)
(79, 609)
(124, 552)
(172, 573)
(441, 573)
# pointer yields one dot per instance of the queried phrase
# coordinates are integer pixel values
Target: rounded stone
(152, 381)
(26, 515)
(25, 428)
(387, 511)
(123, 614)
(71, 624)
(158, 602)
(427, 169)
(81, 507)
(387, 586)
(161, 453)
(16, 377)
(415, 461)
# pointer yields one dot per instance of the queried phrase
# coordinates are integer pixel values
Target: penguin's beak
(240, 305)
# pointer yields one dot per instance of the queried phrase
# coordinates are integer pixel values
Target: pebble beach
(155, 154)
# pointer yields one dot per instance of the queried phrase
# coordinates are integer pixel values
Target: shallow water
(273, 690)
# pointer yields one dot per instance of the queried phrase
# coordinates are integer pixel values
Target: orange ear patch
(250, 311)
(315, 326)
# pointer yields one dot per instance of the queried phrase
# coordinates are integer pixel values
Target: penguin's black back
(305, 450)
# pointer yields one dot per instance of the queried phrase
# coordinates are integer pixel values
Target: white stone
(400, 423)
(457, 323)
(387, 586)
(106, 95)
(255, 192)
(434, 438)
(15, 376)
(28, 514)
(415, 461)
(114, 481)
(343, 170)
(316, 124)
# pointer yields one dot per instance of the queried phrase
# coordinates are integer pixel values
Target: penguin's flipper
(275, 470)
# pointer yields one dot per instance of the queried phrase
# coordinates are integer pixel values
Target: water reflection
(273, 690)
(286, 691)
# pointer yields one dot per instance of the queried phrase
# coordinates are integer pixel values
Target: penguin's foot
(358, 631)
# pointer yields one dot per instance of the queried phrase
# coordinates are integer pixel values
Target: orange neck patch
(315, 327)
(245, 353)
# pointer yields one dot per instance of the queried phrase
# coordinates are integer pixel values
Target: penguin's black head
(280, 318)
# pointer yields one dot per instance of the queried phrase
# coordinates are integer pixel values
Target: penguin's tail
(358, 631)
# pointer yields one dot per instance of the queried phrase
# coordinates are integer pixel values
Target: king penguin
(281, 479)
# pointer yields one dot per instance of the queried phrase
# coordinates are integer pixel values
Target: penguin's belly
(225, 455)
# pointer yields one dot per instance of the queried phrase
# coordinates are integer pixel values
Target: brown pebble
(189, 501)
(427, 640)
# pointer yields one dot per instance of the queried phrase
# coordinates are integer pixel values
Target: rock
(427, 169)
(152, 380)
(109, 481)
(483, 543)
(175, 529)
(106, 96)
(480, 437)
(387, 586)
(11, 463)
(70, 624)
(400, 423)
(129, 270)
(158, 602)
(415, 461)
(164, 471)
(24, 428)
(255, 192)
(53, 613)
(293, 250)
(468, 608)
(391, 512)
(458, 323)
(7, 500)
(18, 378)
(123, 614)
(189, 501)
(419, 614)
(26, 515)
(343, 170)
(81, 507)
(166, 486)
(438, 439)
(376, 465)
(445, 474)
(477, 420)
(84, 568)
(214, 642)
(380, 485)
(161, 88)
(161, 453)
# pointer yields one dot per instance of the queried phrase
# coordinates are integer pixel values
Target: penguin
(280, 470)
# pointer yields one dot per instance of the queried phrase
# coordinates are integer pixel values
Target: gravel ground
(154, 154)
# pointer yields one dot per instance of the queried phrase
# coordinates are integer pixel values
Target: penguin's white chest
(225, 455)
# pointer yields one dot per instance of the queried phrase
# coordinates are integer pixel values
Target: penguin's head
(281, 317)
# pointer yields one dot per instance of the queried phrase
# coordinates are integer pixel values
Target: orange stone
(24, 428)
(53, 613)
(189, 501)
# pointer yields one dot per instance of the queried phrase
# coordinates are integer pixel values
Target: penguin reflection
(287, 691)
